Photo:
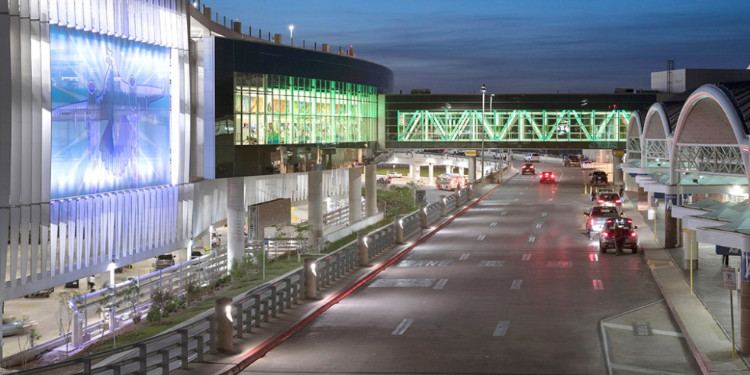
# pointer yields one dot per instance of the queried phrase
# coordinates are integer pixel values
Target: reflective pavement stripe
(594, 257)
(544, 214)
(598, 284)
(516, 284)
(501, 328)
(480, 238)
(491, 263)
(402, 283)
(526, 257)
(440, 284)
(538, 226)
(532, 239)
(403, 326)
(464, 256)
(493, 224)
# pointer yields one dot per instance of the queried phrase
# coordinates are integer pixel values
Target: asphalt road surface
(511, 286)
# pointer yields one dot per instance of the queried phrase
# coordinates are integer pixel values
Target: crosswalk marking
(402, 327)
(526, 257)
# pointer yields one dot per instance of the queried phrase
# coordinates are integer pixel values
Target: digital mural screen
(110, 113)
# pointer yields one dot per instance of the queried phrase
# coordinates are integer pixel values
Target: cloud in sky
(515, 46)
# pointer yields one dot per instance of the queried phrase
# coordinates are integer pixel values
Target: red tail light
(601, 201)
(618, 201)
(633, 234)
(592, 222)
(605, 234)
(553, 175)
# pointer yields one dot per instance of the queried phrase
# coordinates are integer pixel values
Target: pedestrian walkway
(703, 314)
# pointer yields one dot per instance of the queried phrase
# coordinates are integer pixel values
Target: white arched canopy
(656, 137)
(710, 137)
(634, 136)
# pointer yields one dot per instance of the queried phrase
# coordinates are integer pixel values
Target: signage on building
(723, 250)
(745, 267)
(730, 278)
(470, 153)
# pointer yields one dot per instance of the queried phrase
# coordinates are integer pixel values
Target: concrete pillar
(76, 331)
(411, 171)
(690, 249)
(363, 250)
(315, 204)
(745, 298)
(617, 169)
(371, 190)
(423, 216)
(670, 223)
(443, 208)
(417, 172)
(461, 171)
(311, 279)
(431, 171)
(223, 324)
(448, 169)
(651, 208)
(355, 195)
(235, 221)
(472, 168)
(642, 198)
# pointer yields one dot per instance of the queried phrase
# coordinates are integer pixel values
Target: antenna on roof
(670, 68)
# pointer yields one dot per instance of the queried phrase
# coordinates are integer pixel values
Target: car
(13, 327)
(572, 161)
(596, 216)
(72, 284)
(384, 180)
(607, 235)
(394, 174)
(547, 176)
(598, 178)
(44, 293)
(528, 168)
(609, 200)
(532, 157)
(195, 254)
(164, 261)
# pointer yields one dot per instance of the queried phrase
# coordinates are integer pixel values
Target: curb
(261, 350)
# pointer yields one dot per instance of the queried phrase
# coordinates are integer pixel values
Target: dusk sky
(527, 46)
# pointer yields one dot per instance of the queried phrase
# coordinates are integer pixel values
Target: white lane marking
(544, 214)
(516, 284)
(402, 283)
(464, 256)
(480, 238)
(493, 224)
(526, 257)
(532, 239)
(424, 263)
(598, 284)
(403, 326)
(501, 328)
(440, 284)
(491, 263)
(594, 257)
(655, 331)
(538, 226)
(515, 199)
(503, 213)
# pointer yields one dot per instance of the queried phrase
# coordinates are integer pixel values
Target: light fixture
(228, 312)
(313, 268)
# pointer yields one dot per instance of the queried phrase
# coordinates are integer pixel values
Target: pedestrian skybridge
(592, 129)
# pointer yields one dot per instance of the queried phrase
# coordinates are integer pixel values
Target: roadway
(511, 286)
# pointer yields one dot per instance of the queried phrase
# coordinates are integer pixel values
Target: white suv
(531, 157)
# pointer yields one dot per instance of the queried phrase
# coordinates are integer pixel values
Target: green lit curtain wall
(272, 109)
(514, 125)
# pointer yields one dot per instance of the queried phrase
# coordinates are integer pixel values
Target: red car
(528, 168)
(547, 177)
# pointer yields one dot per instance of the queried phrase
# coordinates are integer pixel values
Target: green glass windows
(272, 109)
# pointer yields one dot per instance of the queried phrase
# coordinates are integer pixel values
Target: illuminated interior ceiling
(513, 126)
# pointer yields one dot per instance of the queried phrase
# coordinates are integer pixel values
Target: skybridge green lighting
(514, 126)
(271, 109)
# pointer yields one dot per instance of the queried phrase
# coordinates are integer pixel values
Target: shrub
(154, 314)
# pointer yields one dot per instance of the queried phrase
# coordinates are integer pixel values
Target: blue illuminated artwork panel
(110, 113)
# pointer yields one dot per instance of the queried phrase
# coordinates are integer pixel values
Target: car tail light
(601, 201)
(552, 175)
(592, 222)
(633, 234)
(605, 234)
(618, 201)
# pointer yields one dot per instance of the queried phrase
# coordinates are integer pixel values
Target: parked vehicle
(72, 284)
(394, 174)
(44, 293)
(450, 181)
(164, 261)
(13, 327)
(621, 229)
(384, 180)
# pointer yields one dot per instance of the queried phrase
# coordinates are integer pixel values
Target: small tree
(131, 295)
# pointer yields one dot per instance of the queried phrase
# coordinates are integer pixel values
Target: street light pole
(484, 90)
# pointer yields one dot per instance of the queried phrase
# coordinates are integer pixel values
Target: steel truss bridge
(592, 129)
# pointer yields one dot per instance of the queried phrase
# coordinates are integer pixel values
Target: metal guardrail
(189, 342)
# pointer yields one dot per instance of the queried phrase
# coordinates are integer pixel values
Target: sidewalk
(263, 339)
(703, 316)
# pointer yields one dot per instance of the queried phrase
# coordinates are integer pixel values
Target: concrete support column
(311, 279)
(617, 168)
(371, 190)
(315, 204)
(235, 221)
(642, 197)
(76, 331)
(472, 168)
(431, 170)
(690, 249)
(355, 195)
(461, 171)
(651, 208)
(223, 324)
(448, 169)
(670, 223)
(417, 172)
(745, 298)
(411, 171)
(399, 235)
(443, 208)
